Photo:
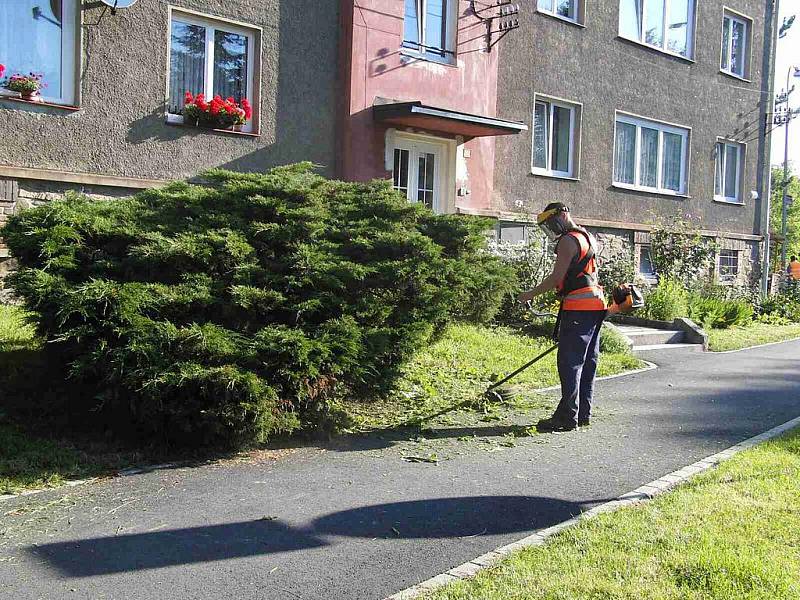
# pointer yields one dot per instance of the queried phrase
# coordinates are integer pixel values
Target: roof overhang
(420, 116)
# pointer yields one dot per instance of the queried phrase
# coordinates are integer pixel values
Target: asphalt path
(353, 520)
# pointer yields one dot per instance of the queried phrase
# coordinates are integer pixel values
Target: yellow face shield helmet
(549, 224)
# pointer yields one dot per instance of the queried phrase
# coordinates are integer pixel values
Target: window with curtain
(565, 9)
(727, 171)
(39, 36)
(554, 130)
(735, 42)
(667, 25)
(429, 27)
(209, 57)
(650, 155)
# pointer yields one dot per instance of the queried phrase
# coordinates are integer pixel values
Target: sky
(788, 55)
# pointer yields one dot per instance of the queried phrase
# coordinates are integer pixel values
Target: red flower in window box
(217, 114)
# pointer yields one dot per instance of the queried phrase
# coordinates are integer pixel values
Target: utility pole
(783, 116)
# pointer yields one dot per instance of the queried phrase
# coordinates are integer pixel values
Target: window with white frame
(429, 27)
(41, 38)
(210, 57)
(735, 43)
(667, 25)
(554, 133)
(571, 10)
(650, 155)
(727, 171)
(728, 264)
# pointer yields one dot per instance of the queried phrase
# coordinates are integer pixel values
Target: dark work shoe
(584, 422)
(553, 424)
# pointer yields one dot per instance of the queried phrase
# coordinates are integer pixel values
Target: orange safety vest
(588, 296)
(794, 270)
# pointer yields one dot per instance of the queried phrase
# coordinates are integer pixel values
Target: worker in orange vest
(583, 309)
(793, 270)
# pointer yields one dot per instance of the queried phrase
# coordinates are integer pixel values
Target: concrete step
(649, 347)
(648, 336)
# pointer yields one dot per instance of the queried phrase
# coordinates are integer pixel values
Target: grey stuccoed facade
(112, 136)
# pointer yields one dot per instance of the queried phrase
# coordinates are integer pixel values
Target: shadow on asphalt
(437, 518)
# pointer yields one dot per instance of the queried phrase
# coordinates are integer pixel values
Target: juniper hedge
(247, 306)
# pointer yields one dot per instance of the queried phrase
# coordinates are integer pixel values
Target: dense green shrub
(783, 305)
(667, 301)
(718, 313)
(679, 252)
(615, 270)
(227, 312)
(612, 341)
(531, 262)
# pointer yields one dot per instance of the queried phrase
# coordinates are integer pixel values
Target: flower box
(216, 114)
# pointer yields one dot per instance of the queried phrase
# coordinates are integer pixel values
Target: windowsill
(562, 19)
(209, 130)
(657, 49)
(726, 201)
(735, 76)
(550, 175)
(66, 107)
(439, 60)
(640, 190)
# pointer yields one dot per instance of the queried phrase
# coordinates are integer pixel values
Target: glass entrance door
(416, 172)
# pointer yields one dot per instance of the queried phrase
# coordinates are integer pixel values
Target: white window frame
(575, 113)
(70, 47)
(416, 144)
(740, 150)
(579, 8)
(690, 22)
(448, 53)
(211, 24)
(747, 22)
(735, 274)
(662, 128)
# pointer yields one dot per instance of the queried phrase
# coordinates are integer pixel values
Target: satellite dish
(115, 4)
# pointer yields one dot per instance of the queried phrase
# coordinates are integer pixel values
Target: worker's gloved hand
(613, 309)
(525, 297)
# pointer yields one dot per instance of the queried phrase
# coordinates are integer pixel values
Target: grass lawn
(754, 334)
(456, 368)
(460, 365)
(729, 534)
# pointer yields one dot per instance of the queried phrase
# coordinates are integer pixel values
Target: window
(554, 132)
(40, 37)
(727, 171)
(564, 9)
(211, 57)
(418, 171)
(429, 28)
(735, 43)
(728, 264)
(667, 25)
(646, 268)
(650, 156)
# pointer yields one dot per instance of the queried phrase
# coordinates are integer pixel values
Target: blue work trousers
(578, 351)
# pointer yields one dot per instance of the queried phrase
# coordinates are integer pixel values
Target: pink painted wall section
(373, 66)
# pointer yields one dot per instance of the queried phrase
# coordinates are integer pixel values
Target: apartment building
(627, 110)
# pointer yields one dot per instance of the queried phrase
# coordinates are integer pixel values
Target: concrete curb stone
(640, 494)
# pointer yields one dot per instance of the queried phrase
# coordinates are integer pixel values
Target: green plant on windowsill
(216, 114)
(27, 86)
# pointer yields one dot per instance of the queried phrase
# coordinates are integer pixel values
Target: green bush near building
(228, 312)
